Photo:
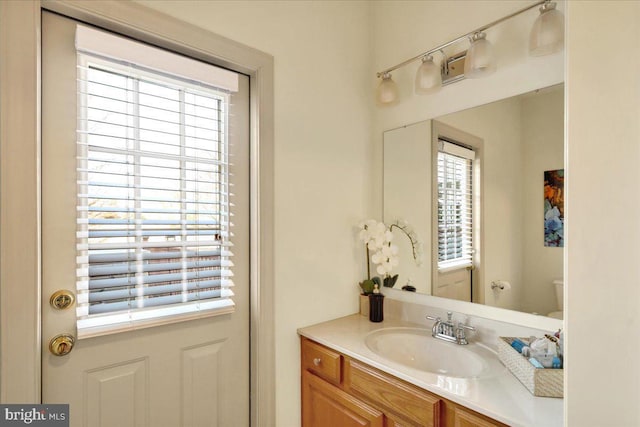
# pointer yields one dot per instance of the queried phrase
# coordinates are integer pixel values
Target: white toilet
(559, 285)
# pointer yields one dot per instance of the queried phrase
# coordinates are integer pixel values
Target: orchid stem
(368, 267)
(413, 243)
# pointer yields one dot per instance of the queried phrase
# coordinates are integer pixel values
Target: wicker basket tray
(540, 382)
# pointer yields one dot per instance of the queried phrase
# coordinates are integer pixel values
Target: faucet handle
(460, 334)
(435, 319)
(449, 315)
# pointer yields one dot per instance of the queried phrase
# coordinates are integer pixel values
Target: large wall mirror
(483, 190)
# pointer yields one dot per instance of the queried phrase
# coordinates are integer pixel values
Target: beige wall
(499, 125)
(322, 157)
(602, 301)
(407, 195)
(543, 150)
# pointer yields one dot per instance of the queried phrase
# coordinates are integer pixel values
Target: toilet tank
(559, 285)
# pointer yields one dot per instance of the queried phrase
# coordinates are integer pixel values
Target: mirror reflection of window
(455, 206)
(456, 182)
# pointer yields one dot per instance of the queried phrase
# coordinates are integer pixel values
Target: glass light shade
(480, 61)
(428, 77)
(387, 92)
(547, 33)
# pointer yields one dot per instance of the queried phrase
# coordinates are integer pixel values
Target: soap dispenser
(376, 300)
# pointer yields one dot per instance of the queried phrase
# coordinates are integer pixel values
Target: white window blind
(455, 206)
(154, 234)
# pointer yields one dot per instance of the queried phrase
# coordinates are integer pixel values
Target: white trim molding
(20, 202)
(20, 127)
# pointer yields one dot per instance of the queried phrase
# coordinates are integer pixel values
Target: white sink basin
(417, 349)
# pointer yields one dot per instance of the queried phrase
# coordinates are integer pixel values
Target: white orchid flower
(386, 251)
(378, 237)
(388, 267)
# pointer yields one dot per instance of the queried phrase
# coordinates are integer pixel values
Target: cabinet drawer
(402, 403)
(321, 361)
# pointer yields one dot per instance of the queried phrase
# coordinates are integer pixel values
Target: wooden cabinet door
(392, 422)
(324, 405)
(464, 418)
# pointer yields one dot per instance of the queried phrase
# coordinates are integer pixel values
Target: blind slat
(132, 280)
(116, 185)
(133, 267)
(129, 256)
(132, 304)
(132, 293)
(84, 246)
(143, 222)
(125, 104)
(150, 210)
(160, 156)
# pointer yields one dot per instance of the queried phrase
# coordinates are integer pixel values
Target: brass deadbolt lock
(62, 299)
(62, 344)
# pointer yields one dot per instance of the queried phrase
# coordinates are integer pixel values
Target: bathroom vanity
(345, 383)
(338, 387)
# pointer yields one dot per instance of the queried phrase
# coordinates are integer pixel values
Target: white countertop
(501, 397)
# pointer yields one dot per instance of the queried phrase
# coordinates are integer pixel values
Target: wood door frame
(20, 147)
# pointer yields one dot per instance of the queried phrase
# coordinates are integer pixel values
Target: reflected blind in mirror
(455, 205)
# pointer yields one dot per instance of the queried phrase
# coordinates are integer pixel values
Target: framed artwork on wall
(554, 208)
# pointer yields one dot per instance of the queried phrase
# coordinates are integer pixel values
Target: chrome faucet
(448, 331)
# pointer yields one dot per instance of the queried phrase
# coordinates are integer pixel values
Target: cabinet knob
(317, 361)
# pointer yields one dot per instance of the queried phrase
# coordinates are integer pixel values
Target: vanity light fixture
(387, 90)
(547, 37)
(480, 61)
(547, 33)
(428, 77)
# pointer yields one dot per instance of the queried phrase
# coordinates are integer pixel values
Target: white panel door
(187, 373)
(454, 284)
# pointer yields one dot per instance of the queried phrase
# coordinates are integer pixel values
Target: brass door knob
(62, 344)
(62, 299)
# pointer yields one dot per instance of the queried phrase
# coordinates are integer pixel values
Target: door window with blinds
(455, 186)
(154, 231)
